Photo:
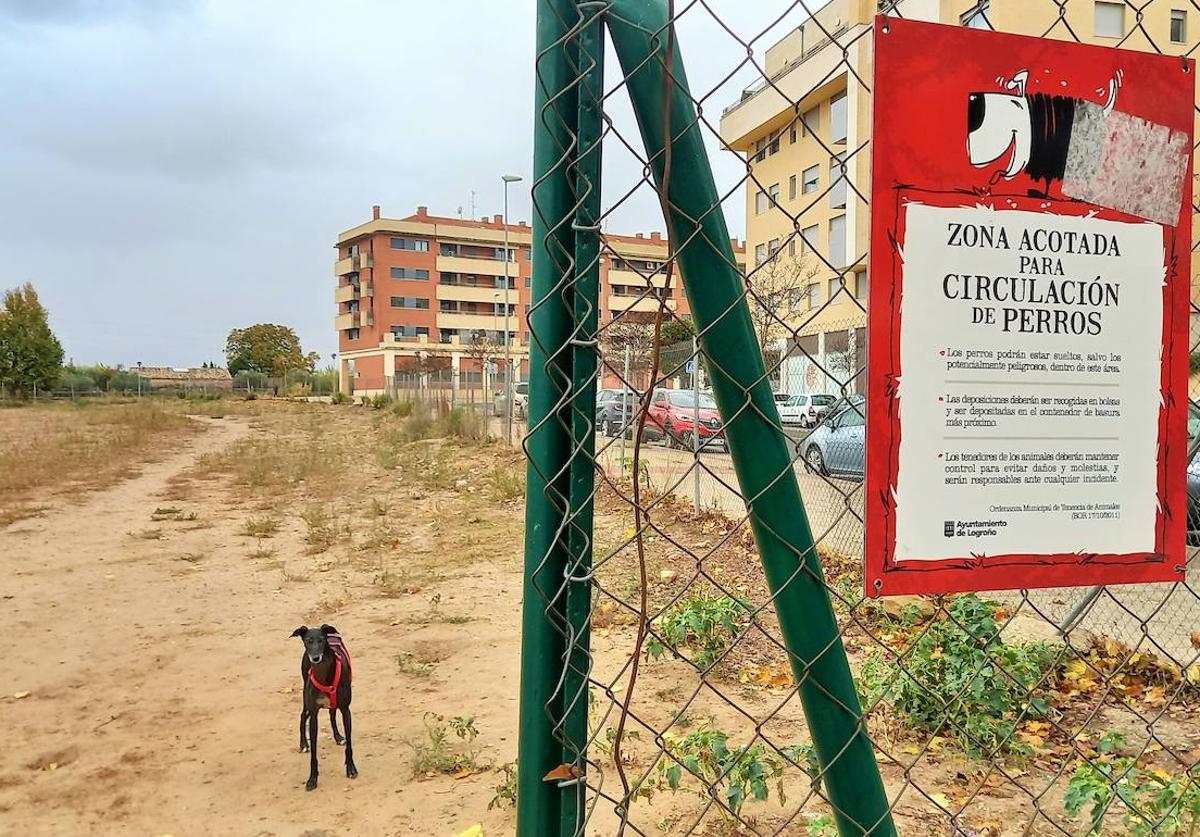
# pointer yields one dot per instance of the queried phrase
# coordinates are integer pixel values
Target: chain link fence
(679, 673)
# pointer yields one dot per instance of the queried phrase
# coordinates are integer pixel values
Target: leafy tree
(30, 355)
(267, 348)
(677, 330)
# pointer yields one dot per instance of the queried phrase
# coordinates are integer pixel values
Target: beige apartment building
(800, 168)
(422, 298)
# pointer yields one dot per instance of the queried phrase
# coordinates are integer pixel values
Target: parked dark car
(838, 446)
(612, 415)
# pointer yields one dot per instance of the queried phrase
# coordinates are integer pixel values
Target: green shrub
(731, 775)
(340, 397)
(1152, 802)
(403, 409)
(381, 401)
(960, 680)
(704, 625)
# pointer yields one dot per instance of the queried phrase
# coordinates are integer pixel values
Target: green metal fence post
(548, 442)
(586, 176)
(740, 385)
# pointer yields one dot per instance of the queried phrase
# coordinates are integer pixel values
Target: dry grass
(261, 527)
(66, 448)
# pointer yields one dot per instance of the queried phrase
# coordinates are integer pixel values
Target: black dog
(325, 672)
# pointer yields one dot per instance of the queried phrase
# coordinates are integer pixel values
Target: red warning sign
(1030, 260)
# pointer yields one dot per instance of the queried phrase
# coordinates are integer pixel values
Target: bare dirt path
(151, 686)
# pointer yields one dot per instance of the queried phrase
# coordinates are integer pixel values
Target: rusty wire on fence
(1063, 711)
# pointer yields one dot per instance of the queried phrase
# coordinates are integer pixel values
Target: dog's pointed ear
(301, 631)
(329, 629)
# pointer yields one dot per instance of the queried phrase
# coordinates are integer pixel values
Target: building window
(811, 178)
(760, 254)
(498, 282)
(811, 121)
(409, 273)
(760, 149)
(792, 247)
(837, 241)
(1110, 20)
(794, 299)
(837, 118)
(773, 149)
(352, 334)
(808, 240)
(835, 285)
(1178, 26)
(417, 244)
(773, 246)
(774, 194)
(410, 331)
(792, 134)
(512, 254)
(837, 181)
(760, 203)
(528, 281)
(978, 16)
(814, 295)
(792, 188)
(409, 302)
(860, 285)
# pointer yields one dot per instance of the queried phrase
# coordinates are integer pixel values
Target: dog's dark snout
(975, 111)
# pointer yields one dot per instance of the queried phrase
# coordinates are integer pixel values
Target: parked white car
(805, 410)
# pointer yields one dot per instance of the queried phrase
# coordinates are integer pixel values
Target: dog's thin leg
(312, 751)
(303, 738)
(337, 736)
(351, 770)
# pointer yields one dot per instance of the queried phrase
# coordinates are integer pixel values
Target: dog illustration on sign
(1099, 154)
(1032, 129)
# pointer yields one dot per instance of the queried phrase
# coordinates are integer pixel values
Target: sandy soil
(152, 687)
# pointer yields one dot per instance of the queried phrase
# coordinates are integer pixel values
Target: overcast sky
(172, 169)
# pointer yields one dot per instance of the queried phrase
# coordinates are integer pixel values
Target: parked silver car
(838, 446)
(805, 410)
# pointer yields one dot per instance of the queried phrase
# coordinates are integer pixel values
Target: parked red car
(675, 412)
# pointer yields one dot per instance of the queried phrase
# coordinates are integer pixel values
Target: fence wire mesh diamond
(665, 685)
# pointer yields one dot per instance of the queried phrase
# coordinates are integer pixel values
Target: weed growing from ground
(506, 790)
(261, 527)
(409, 663)
(703, 625)
(959, 679)
(437, 753)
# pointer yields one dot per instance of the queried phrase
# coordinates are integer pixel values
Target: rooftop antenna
(472, 204)
(460, 212)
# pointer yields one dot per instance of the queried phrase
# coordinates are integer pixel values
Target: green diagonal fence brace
(741, 388)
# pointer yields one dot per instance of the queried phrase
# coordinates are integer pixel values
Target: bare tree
(635, 332)
(775, 290)
(482, 349)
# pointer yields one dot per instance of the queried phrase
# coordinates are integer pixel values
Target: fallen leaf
(461, 773)
(562, 773)
(1195, 637)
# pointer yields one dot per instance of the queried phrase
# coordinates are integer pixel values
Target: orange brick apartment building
(414, 294)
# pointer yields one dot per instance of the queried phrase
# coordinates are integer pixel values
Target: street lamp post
(508, 413)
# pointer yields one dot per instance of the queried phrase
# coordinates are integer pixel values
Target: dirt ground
(152, 687)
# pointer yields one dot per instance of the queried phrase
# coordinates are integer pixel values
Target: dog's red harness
(331, 689)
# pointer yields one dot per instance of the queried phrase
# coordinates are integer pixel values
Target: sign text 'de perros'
(1030, 260)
